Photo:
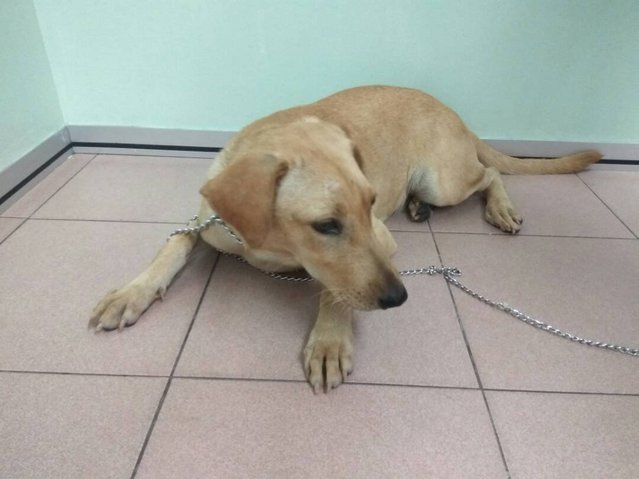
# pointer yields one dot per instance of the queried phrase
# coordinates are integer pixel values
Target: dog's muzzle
(394, 296)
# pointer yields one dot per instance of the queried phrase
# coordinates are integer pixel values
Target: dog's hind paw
(417, 210)
(503, 216)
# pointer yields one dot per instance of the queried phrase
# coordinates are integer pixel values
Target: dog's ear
(357, 155)
(243, 194)
(354, 150)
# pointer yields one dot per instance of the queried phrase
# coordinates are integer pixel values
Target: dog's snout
(394, 296)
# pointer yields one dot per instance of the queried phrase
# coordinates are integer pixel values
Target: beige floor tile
(559, 436)
(54, 272)
(60, 426)
(620, 191)
(585, 286)
(27, 204)
(252, 429)
(132, 188)
(251, 326)
(555, 205)
(8, 226)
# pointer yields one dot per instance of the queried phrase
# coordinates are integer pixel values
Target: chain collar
(198, 227)
(449, 275)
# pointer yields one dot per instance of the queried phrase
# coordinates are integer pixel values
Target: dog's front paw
(122, 307)
(328, 357)
(503, 216)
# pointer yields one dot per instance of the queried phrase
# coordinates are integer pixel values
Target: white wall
(29, 108)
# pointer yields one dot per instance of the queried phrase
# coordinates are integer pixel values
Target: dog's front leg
(122, 307)
(328, 355)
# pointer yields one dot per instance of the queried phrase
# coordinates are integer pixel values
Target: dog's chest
(219, 238)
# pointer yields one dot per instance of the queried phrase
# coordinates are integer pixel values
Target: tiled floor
(209, 383)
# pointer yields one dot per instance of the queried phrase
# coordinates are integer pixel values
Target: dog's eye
(328, 227)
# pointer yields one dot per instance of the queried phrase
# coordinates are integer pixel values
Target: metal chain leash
(538, 323)
(449, 275)
(205, 225)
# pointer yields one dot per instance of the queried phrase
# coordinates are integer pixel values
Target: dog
(309, 187)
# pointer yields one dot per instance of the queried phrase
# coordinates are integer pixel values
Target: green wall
(29, 109)
(514, 69)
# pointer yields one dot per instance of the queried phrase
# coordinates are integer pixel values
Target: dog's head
(296, 191)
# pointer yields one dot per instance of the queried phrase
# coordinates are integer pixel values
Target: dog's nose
(393, 296)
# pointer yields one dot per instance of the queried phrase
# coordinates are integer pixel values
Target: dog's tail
(488, 156)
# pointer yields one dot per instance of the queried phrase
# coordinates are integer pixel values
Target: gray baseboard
(16, 173)
(204, 144)
(101, 135)
(551, 149)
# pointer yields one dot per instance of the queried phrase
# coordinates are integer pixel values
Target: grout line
(475, 368)
(522, 235)
(392, 231)
(609, 208)
(111, 221)
(250, 380)
(72, 373)
(24, 220)
(62, 153)
(492, 423)
(461, 326)
(170, 379)
(347, 384)
(41, 205)
(574, 393)
(303, 381)
(62, 186)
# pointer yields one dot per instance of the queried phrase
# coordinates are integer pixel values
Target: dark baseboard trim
(140, 146)
(215, 149)
(33, 174)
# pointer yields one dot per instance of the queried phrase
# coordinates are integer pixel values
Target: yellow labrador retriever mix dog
(310, 187)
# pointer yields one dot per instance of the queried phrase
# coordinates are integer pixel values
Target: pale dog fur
(356, 157)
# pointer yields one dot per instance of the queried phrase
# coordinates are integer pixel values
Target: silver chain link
(449, 275)
(204, 225)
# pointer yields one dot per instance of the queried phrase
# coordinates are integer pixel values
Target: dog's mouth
(392, 298)
(354, 300)
(385, 291)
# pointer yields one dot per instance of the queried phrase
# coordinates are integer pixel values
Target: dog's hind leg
(451, 189)
(122, 307)
(499, 211)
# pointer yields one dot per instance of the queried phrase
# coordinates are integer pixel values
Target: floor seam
(81, 220)
(170, 378)
(303, 381)
(474, 364)
(93, 220)
(73, 373)
(63, 184)
(608, 207)
(24, 220)
(521, 235)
